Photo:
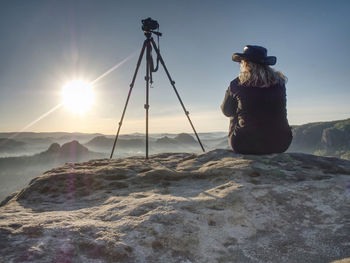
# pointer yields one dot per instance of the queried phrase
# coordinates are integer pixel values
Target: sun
(78, 96)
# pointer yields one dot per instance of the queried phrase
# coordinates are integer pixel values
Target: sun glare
(78, 96)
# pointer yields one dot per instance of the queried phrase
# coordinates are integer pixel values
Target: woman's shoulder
(234, 85)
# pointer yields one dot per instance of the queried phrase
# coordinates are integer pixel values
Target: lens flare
(114, 67)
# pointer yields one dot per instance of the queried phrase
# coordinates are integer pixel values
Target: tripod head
(149, 26)
(153, 32)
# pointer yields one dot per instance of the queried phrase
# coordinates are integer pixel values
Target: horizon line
(157, 132)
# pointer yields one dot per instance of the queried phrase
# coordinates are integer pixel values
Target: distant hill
(61, 136)
(223, 144)
(185, 138)
(100, 142)
(36, 141)
(81, 137)
(166, 144)
(17, 171)
(181, 142)
(54, 155)
(103, 143)
(72, 151)
(319, 138)
(166, 141)
(323, 138)
(10, 145)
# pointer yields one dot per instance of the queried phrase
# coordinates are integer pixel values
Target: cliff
(180, 207)
(323, 138)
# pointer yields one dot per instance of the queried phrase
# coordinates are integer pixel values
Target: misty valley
(27, 155)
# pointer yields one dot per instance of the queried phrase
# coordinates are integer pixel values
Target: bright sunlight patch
(78, 96)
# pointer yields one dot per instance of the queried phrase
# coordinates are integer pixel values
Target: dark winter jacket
(258, 118)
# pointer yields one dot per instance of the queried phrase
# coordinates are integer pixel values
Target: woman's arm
(229, 105)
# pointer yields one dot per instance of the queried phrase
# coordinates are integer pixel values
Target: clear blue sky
(47, 43)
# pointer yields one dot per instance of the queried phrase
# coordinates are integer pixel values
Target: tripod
(147, 45)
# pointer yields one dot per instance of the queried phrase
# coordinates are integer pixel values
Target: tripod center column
(147, 78)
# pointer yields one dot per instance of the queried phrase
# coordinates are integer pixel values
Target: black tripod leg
(147, 78)
(177, 94)
(127, 100)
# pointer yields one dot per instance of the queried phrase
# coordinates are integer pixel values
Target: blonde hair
(257, 75)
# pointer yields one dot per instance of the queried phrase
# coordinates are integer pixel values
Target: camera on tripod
(149, 24)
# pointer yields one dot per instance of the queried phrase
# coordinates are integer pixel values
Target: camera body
(149, 24)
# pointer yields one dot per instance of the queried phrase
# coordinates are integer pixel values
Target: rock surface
(182, 207)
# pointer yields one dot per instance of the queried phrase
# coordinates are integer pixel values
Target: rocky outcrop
(53, 149)
(323, 138)
(71, 151)
(180, 207)
(333, 138)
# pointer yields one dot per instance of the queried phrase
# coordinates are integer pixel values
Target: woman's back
(256, 105)
(260, 107)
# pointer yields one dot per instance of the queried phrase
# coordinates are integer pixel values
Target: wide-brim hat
(256, 54)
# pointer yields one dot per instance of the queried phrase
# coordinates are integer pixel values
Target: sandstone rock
(181, 207)
(53, 149)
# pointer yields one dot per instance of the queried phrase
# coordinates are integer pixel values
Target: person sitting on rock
(256, 103)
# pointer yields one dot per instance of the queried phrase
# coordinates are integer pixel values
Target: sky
(45, 44)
